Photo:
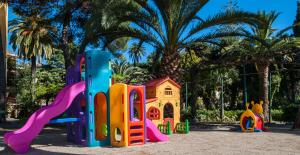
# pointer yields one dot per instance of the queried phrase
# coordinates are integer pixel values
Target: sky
(287, 8)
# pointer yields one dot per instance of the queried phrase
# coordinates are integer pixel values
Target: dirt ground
(214, 139)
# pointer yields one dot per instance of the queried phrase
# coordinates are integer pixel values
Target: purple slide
(21, 139)
(153, 134)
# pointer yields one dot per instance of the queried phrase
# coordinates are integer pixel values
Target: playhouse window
(168, 91)
(153, 113)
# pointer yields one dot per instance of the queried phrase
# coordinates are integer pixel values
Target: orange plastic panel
(101, 116)
(136, 128)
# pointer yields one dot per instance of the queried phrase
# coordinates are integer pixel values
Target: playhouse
(163, 101)
(98, 112)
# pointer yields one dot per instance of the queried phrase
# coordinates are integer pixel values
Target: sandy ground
(212, 140)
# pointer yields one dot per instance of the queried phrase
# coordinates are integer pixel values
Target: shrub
(207, 115)
(286, 114)
(214, 115)
(277, 115)
(290, 112)
(233, 115)
(186, 114)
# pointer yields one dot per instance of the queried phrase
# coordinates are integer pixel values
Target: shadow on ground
(215, 127)
(53, 138)
(54, 135)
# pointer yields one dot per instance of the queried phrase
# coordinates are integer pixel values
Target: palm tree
(136, 51)
(264, 45)
(171, 26)
(33, 38)
(126, 73)
(296, 30)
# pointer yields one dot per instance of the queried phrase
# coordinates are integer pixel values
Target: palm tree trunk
(297, 121)
(234, 93)
(83, 44)
(170, 66)
(2, 81)
(65, 46)
(33, 78)
(194, 96)
(293, 81)
(65, 36)
(263, 69)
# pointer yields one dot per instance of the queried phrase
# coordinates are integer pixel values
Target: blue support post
(98, 80)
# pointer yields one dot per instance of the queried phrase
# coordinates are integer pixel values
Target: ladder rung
(134, 138)
(141, 130)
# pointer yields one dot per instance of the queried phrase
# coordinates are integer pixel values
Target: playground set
(99, 113)
(252, 120)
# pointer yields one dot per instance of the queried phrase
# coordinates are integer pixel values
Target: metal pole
(245, 86)
(270, 97)
(222, 99)
(186, 95)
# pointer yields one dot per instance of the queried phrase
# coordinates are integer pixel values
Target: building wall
(151, 92)
(163, 99)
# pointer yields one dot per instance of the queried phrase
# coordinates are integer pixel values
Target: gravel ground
(202, 140)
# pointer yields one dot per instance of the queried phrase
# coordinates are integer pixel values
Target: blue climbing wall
(98, 80)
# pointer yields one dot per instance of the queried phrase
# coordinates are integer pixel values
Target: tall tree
(33, 38)
(263, 46)
(171, 26)
(296, 30)
(103, 27)
(71, 16)
(136, 51)
(126, 73)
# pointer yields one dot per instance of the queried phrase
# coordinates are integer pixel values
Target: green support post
(169, 128)
(186, 95)
(245, 86)
(270, 97)
(187, 126)
(222, 100)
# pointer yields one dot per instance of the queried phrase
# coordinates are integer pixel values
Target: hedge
(285, 114)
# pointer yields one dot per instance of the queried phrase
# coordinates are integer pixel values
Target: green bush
(186, 114)
(214, 115)
(233, 115)
(277, 115)
(290, 112)
(208, 115)
(287, 114)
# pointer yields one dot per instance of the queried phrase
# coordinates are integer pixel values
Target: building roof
(148, 100)
(158, 82)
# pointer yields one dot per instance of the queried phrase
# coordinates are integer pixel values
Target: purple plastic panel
(75, 130)
(131, 104)
(145, 125)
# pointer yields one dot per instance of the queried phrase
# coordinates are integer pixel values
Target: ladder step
(136, 123)
(136, 130)
(135, 138)
(134, 143)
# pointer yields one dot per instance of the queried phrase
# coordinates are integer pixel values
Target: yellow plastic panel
(118, 115)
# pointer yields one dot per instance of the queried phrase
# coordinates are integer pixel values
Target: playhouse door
(171, 120)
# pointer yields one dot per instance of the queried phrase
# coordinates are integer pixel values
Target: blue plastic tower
(98, 80)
